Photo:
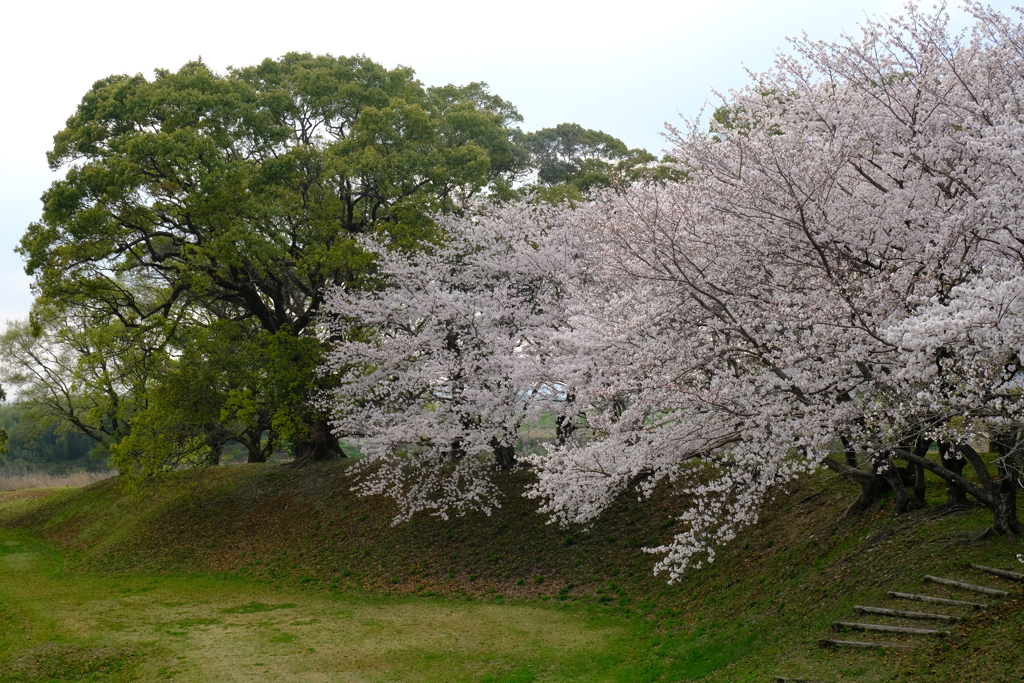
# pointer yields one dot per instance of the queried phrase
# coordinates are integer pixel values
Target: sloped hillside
(758, 612)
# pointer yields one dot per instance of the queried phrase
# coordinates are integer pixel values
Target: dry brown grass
(15, 478)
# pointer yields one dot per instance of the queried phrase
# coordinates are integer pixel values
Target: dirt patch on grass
(254, 607)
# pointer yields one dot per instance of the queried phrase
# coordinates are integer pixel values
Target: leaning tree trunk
(999, 496)
(872, 486)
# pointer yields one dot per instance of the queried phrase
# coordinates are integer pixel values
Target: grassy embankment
(240, 573)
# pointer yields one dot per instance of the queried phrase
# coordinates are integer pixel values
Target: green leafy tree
(198, 199)
(232, 382)
(94, 377)
(571, 160)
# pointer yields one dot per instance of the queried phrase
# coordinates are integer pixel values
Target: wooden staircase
(906, 623)
(958, 609)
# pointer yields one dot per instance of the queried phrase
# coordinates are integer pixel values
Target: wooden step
(783, 679)
(1012, 576)
(937, 601)
(995, 592)
(904, 614)
(829, 642)
(882, 628)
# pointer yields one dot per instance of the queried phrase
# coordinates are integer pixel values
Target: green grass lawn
(71, 627)
(261, 572)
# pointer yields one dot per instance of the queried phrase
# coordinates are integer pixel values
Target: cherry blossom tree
(437, 369)
(837, 283)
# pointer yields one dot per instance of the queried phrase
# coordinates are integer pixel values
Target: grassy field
(188, 582)
(65, 627)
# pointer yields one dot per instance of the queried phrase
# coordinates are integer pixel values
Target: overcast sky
(625, 68)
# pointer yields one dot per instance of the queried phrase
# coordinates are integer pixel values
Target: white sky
(625, 68)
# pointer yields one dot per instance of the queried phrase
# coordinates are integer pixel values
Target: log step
(881, 628)
(1012, 576)
(904, 614)
(995, 592)
(783, 679)
(938, 601)
(828, 642)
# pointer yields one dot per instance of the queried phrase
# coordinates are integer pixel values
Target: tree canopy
(181, 264)
(430, 367)
(578, 160)
(208, 212)
(241, 193)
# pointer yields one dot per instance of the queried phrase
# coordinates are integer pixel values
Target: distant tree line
(37, 441)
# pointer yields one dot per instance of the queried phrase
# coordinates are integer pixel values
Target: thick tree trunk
(318, 445)
(504, 455)
(257, 454)
(889, 472)
(872, 487)
(1006, 522)
(258, 450)
(1004, 514)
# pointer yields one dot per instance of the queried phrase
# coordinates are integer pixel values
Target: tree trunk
(889, 472)
(851, 454)
(921, 450)
(317, 445)
(215, 438)
(564, 426)
(1006, 446)
(258, 450)
(258, 453)
(504, 455)
(872, 486)
(955, 494)
(1000, 497)
(1004, 513)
